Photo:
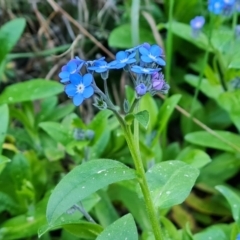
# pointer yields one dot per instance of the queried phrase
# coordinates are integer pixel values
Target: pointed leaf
(30, 90)
(122, 229)
(171, 182)
(143, 118)
(4, 119)
(84, 180)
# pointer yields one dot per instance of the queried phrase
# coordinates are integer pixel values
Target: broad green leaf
(165, 113)
(84, 230)
(120, 37)
(8, 204)
(9, 35)
(84, 180)
(4, 118)
(31, 90)
(221, 38)
(195, 157)
(233, 200)
(171, 182)
(230, 101)
(57, 131)
(213, 232)
(184, 31)
(72, 217)
(143, 118)
(3, 161)
(205, 139)
(123, 228)
(211, 91)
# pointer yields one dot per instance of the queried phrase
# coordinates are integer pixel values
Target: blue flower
(141, 89)
(238, 5)
(71, 67)
(196, 25)
(122, 59)
(157, 81)
(79, 88)
(146, 45)
(228, 7)
(197, 22)
(216, 6)
(238, 237)
(94, 62)
(141, 70)
(100, 67)
(152, 55)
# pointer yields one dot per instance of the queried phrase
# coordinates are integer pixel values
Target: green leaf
(213, 232)
(184, 31)
(3, 161)
(84, 230)
(210, 90)
(233, 200)
(57, 131)
(4, 119)
(9, 35)
(235, 61)
(195, 157)
(123, 228)
(31, 90)
(143, 118)
(120, 37)
(171, 182)
(205, 139)
(84, 180)
(73, 218)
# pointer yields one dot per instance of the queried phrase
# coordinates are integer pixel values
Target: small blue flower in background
(157, 81)
(216, 6)
(238, 237)
(237, 5)
(141, 70)
(196, 25)
(94, 62)
(228, 7)
(141, 89)
(152, 55)
(73, 66)
(122, 59)
(79, 88)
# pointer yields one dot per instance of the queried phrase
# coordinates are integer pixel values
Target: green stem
(133, 105)
(234, 22)
(135, 153)
(169, 41)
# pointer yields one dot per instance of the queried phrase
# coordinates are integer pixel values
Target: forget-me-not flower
(157, 81)
(152, 55)
(141, 89)
(216, 6)
(238, 237)
(141, 70)
(79, 88)
(122, 59)
(196, 25)
(73, 66)
(100, 67)
(228, 7)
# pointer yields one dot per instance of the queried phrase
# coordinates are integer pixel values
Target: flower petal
(155, 50)
(70, 90)
(72, 66)
(146, 59)
(64, 74)
(132, 55)
(121, 55)
(78, 99)
(160, 61)
(143, 51)
(87, 79)
(88, 92)
(75, 78)
(131, 60)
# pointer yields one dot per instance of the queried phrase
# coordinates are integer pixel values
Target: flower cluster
(224, 7)
(143, 62)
